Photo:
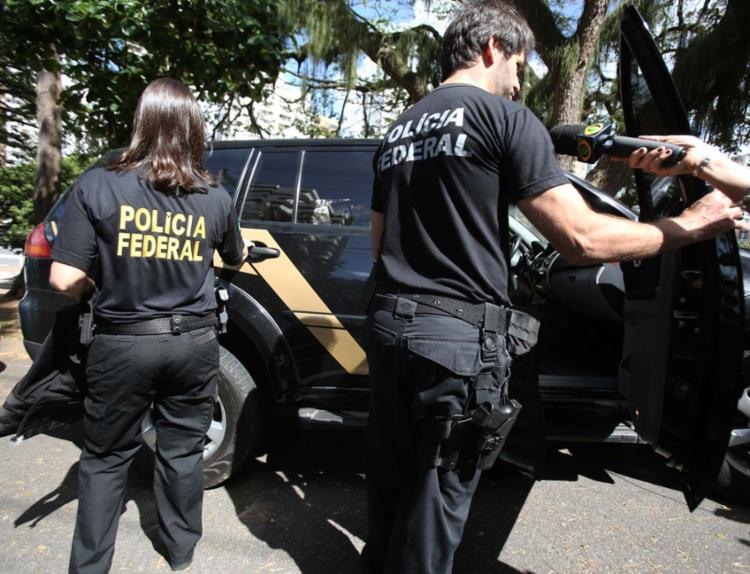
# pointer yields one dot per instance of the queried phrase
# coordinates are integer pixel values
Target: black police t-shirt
(154, 251)
(441, 174)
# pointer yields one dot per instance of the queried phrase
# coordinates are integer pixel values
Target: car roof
(299, 142)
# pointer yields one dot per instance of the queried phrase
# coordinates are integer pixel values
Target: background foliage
(16, 190)
(231, 52)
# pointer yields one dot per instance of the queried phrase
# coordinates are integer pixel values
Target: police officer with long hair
(146, 226)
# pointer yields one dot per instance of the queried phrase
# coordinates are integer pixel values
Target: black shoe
(177, 564)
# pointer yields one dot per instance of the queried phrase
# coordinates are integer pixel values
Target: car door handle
(259, 253)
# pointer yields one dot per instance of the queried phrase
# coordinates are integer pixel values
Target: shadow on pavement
(494, 512)
(307, 498)
(138, 491)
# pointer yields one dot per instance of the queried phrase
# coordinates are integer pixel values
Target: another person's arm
(377, 206)
(701, 160)
(233, 249)
(69, 280)
(376, 232)
(583, 235)
(74, 249)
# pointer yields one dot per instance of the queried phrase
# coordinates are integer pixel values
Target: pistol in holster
(474, 438)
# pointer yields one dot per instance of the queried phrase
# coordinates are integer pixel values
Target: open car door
(682, 352)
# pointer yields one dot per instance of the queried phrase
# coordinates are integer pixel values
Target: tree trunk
(567, 58)
(49, 156)
(609, 176)
(573, 72)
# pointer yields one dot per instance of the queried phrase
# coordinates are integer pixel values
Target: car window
(226, 165)
(272, 191)
(335, 188)
(659, 192)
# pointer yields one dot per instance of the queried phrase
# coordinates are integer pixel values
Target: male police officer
(436, 336)
(149, 224)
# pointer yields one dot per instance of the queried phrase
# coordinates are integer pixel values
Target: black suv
(642, 351)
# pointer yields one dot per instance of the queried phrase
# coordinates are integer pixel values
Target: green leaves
(110, 50)
(17, 190)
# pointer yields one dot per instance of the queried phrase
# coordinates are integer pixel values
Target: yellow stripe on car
(298, 295)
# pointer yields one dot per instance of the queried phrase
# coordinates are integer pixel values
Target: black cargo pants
(420, 368)
(125, 374)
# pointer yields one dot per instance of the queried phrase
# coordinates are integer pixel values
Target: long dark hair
(168, 139)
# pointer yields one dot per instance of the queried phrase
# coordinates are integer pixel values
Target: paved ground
(301, 509)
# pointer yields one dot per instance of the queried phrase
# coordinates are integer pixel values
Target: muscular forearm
(616, 239)
(584, 236)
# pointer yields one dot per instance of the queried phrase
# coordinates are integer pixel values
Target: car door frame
(682, 358)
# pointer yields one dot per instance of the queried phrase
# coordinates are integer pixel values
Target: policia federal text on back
(437, 331)
(149, 224)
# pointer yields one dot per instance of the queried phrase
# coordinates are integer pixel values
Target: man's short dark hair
(478, 22)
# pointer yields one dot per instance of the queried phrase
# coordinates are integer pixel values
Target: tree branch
(254, 121)
(341, 115)
(542, 21)
(224, 117)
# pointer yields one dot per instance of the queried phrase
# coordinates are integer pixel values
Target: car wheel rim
(739, 456)
(214, 436)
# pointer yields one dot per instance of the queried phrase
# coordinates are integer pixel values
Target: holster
(474, 438)
(86, 322)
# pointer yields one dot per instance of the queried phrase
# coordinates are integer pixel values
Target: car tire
(236, 426)
(238, 418)
(733, 480)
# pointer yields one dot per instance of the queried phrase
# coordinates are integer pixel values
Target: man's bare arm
(583, 235)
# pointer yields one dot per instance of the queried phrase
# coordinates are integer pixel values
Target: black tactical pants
(125, 374)
(420, 368)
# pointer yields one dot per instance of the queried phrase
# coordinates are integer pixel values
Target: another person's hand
(701, 160)
(246, 248)
(697, 152)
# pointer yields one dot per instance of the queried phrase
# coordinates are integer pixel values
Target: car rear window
(226, 165)
(336, 187)
(333, 188)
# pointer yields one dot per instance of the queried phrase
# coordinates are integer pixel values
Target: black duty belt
(174, 325)
(484, 315)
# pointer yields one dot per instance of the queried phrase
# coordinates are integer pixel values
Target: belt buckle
(174, 323)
